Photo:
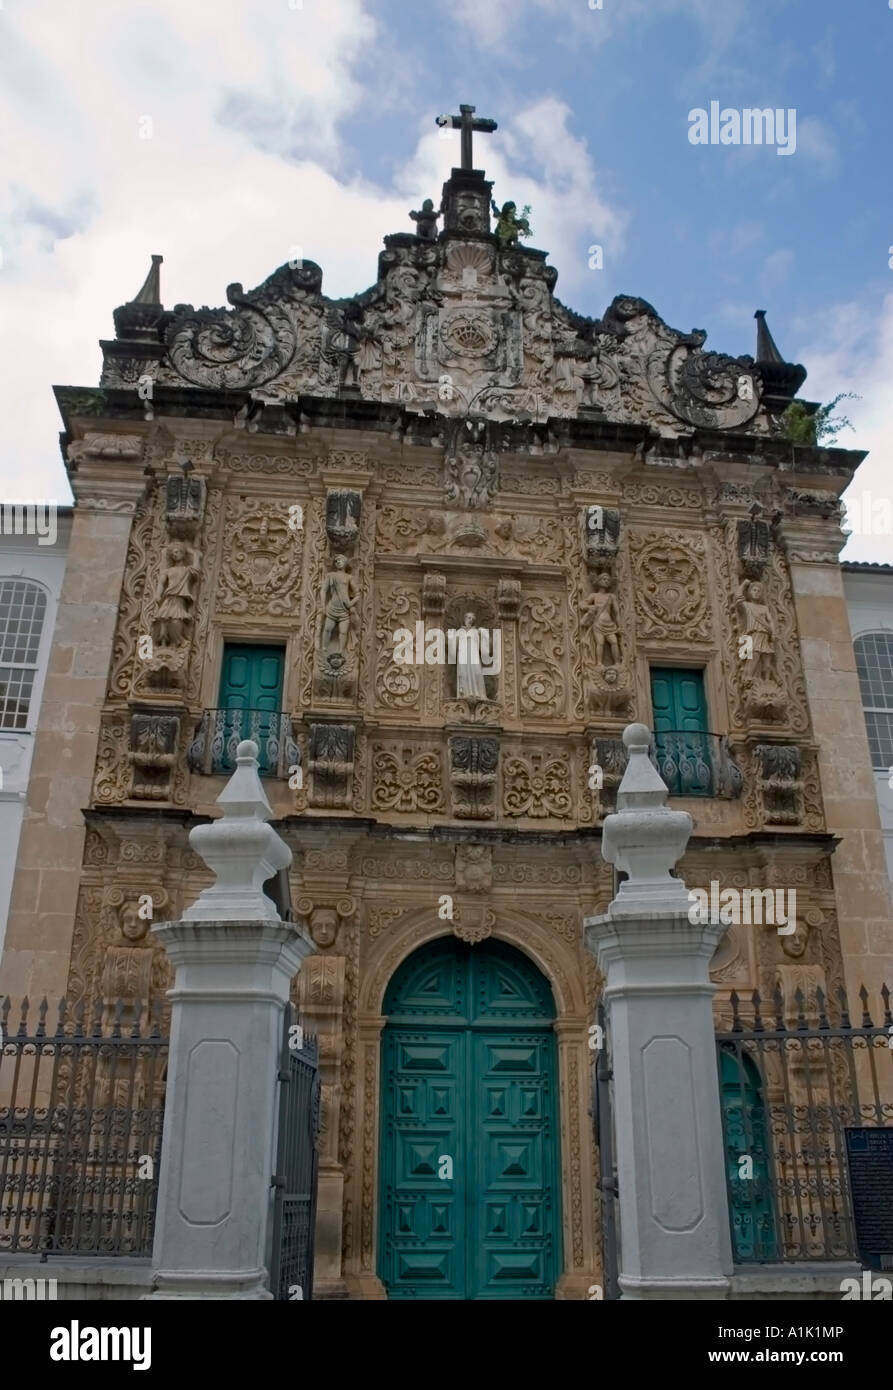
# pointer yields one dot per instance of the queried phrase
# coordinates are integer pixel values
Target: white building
(869, 593)
(33, 550)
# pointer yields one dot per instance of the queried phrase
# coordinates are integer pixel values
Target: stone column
(235, 960)
(674, 1223)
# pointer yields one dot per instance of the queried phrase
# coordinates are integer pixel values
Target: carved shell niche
(469, 257)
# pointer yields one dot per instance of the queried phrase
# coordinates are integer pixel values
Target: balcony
(213, 749)
(696, 764)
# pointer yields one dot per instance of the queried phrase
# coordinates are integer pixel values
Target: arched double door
(470, 1179)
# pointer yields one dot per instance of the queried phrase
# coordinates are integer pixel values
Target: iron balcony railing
(220, 731)
(693, 763)
(790, 1087)
(81, 1113)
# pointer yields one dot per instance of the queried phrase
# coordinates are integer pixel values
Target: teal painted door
(746, 1136)
(251, 679)
(469, 1168)
(680, 730)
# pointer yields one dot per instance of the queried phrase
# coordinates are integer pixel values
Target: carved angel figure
(600, 618)
(339, 599)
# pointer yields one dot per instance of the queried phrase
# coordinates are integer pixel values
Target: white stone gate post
(674, 1228)
(235, 960)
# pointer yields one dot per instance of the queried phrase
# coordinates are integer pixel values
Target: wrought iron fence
(297, 1164)
(693, 763)
(81, 1112)
(790, 1086)
(213, 749)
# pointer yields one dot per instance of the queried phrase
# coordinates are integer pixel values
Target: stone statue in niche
(600, 620)
(176, 595)
(757, 624)
(426, 221)
(347, 343)
(469, 671)
(339, 599)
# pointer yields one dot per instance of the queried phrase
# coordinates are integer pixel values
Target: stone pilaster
(45, 890)
(858, 865)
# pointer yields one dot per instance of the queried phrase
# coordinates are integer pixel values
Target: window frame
(12, 636)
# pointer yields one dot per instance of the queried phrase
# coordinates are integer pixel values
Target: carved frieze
(537, 785)
(474, 868)
(343, 508)
(260, 566)
(405, 778)
(541, 643)
(154, 740)
(670, 585)
(184, 505)
(331, 763)
(780, 784)
(473, 767)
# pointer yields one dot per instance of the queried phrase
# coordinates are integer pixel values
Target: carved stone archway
(561, 962)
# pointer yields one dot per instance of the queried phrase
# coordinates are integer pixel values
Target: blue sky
(276, 124)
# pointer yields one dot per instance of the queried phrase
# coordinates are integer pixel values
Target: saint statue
(756, 623)
(600, 617)
(469, 672)
(339, 599)
(176, 596)
(426, 221)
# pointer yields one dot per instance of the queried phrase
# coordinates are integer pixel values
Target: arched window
(874, 662)
(23, 607)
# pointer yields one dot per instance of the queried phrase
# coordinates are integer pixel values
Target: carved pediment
(457, 320)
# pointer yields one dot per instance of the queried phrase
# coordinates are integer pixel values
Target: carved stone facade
(345, 474)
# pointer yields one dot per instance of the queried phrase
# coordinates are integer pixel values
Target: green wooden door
(680, 730)
(469, 1164)
(251, 680)
(746, 1135)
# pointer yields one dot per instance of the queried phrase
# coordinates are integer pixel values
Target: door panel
(251, 679)
(514, 1217)
(680, 730)
(468, 1073)
(422, 1212)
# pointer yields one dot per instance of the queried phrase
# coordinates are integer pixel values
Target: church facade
(432, 548)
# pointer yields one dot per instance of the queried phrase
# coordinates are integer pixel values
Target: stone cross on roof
(467, 124)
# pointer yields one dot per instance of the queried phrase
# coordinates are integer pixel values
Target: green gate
(470, 1176)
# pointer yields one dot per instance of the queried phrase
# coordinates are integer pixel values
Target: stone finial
(644, 838)
(241, 849)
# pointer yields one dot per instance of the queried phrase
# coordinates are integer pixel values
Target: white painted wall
(869, 598)
(23, 557)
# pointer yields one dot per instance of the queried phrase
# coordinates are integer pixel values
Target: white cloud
(850, 349)
(244, 163)
(818, 141)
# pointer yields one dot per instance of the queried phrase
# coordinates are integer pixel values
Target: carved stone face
(604, 582)
(468, 620)
(339, 562)
(756, 591)
(324, 926)
(795, 944)
(133, 927)
(176, 553)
